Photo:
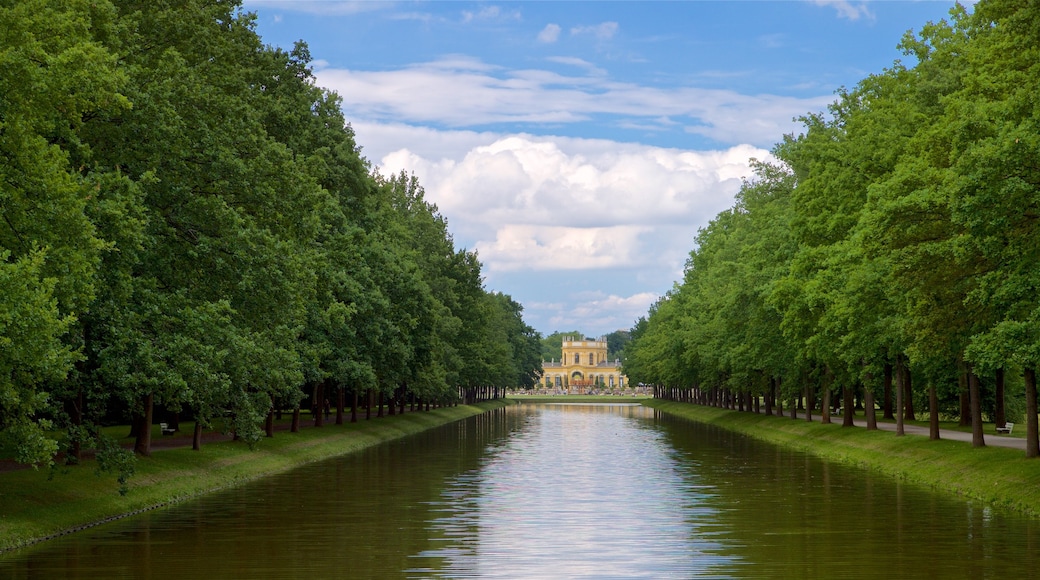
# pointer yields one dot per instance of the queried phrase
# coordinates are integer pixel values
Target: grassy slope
(34, 507)
(1000, 477)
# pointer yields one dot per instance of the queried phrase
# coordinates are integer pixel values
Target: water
(557, 491)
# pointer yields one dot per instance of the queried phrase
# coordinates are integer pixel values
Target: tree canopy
(897, 233)
(188, 225)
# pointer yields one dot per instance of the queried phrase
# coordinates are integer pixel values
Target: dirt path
(916, 430)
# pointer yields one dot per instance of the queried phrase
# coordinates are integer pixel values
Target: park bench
(1006, 429)
(166, 429)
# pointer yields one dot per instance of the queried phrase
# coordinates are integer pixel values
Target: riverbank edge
(36, 506)
(1002, 478)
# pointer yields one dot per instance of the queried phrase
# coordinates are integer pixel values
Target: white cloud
(578, 62)
(546, 248)
(604, 31)
(847, 9)
(326, 7)
(593, 310)
(460, 91)
(549, 34)
(548, 203)
(489, 13)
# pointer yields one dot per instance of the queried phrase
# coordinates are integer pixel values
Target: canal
(557, 491)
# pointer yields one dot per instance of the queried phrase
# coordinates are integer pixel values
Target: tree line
(890, 250)
(189, 226)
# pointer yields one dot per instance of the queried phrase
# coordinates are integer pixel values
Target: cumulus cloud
(579, 63)
(542, 210)
(847, 9)
(489, 13)
(458, 91)
(549, 34)
(545, 203)
(603, 31)
(594, 310)
(322, 7)
(542, 248)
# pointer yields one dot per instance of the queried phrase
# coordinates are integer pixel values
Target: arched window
(592, 359)
(612, 381)
(577, 358)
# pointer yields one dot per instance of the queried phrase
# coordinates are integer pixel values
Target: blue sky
(579, 146)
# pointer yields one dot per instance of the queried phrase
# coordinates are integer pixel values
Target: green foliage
(113, 459)
(899, 226)
(187, 220)
(552, 345)
(616, 343)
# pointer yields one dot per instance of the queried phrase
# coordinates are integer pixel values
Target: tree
(54, 74)
(552, 345)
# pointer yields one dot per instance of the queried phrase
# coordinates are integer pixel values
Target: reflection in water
(575, 494)
(791, 515)
(556, 491)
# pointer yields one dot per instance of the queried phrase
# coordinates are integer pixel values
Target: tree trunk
(269, 423)
(379, 409)
(848, 403)
(319, 404)
(353, 407)
(886, 404)
(809, 402)
(777, 398)
(1032, 440)
(341, 402)
(908, 396)
(974, 392)
(143, 443)
(368, 407)
(869, 411)
(933, 412)
(900, 394)
(999, 416)
(769, 398)
(196, 436)
(295, 426)
(825, 405)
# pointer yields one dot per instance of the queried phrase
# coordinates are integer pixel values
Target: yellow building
(584, 366)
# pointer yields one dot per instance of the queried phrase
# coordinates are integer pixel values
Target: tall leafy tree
(54, 74)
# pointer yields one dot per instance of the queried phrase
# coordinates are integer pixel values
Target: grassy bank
(34, 507)
(1000, 477)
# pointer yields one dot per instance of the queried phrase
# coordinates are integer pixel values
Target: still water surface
(557, 491)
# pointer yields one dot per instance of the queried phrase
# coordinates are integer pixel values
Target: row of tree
(186, 221)
(896, 236)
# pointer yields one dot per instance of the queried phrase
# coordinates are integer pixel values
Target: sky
(578, 146)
